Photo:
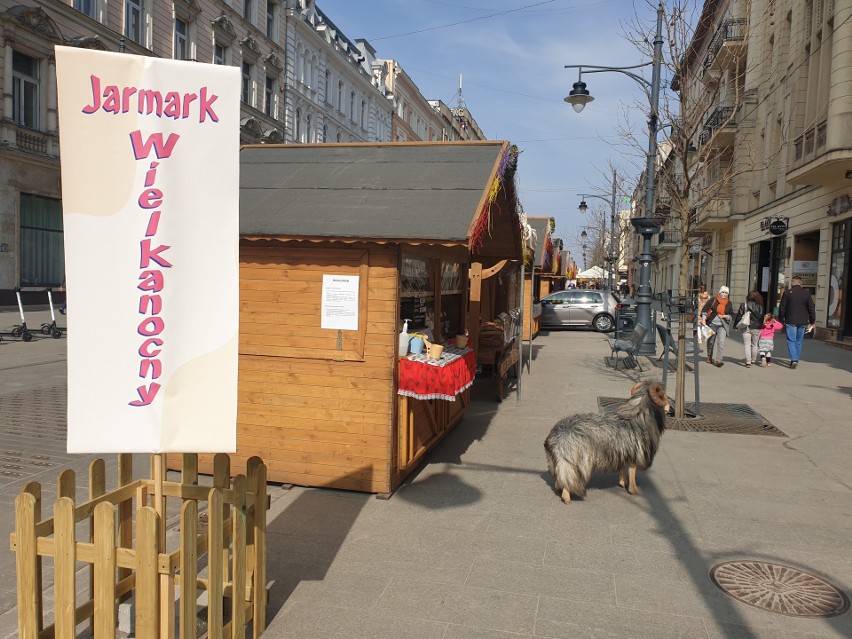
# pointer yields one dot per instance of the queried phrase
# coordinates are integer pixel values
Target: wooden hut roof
(433, 191)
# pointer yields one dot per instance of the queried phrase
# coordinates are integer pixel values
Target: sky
(514, 82)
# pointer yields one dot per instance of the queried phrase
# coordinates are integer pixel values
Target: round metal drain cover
(779, 588)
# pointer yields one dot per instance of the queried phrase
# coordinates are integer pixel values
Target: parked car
(580, 307)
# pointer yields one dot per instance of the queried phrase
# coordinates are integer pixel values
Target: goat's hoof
(566, 496)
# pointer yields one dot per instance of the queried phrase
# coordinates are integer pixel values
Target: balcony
(720, 128)
(713, 215)
(668, 239)
(27, 140)
(814, 162)
(727, 46)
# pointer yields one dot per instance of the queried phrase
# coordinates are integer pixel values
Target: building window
(324, 133)
(25, 104)
(271, 20)
(352, 106)
(838, 276)
(268, 101)
(86, 7)
(340, 96)
(181, 50)
(309, 130)
(298, 127)
(220, 54)
(134, 19)
(247, 88)
(338, 137)
(363, 113)
(248, 9)
(42, 253)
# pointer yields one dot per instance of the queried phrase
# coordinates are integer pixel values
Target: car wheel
(603, 323)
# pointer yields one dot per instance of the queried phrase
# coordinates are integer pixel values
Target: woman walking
(751, 336)
(716, 313)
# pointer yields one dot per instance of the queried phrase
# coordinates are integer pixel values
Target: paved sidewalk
(477, 545)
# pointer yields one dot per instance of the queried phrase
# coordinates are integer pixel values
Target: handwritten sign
(150, 187)
(340, 302)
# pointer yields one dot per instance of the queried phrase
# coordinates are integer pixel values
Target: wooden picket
(233, 544)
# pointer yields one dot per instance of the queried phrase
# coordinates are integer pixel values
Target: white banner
(150, 189)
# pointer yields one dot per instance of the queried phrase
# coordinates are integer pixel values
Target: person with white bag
(717, 314)
(749, 320)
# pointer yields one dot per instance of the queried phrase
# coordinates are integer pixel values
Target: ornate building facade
(303, 81)
(772, 78)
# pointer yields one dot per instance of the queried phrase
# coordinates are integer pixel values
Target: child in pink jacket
(766, 341)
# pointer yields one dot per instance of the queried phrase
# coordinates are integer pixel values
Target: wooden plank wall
(313, 420)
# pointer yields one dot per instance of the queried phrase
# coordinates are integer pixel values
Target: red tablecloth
(423, 378)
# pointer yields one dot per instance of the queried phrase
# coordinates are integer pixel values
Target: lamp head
(579, 97)
(645, 225)
(583, 207)
(584, 235)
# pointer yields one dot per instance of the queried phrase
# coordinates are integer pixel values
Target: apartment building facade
(773, 79)
(303, 81)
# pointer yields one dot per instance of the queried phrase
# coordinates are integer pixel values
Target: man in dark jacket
(796, 312)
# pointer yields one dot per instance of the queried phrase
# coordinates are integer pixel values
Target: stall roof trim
(416, 191)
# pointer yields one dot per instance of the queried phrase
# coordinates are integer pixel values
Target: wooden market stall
(535, 287)
(339, 244)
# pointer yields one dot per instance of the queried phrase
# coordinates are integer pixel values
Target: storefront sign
(150, 190)
(778, 227)
(340, 302)
(807, 272)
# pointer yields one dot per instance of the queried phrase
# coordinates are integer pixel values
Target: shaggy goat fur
(580, 445)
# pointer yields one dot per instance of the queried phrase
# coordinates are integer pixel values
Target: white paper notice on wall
(150, 189)
(340, 295)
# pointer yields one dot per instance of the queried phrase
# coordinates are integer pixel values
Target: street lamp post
(610, 258)
(578, 98)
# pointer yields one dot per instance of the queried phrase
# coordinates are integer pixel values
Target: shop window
(838, 273)
(42, 251)
(418, 293)
(25, 90)
(452, 300)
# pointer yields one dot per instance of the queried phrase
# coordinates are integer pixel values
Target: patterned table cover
(423, 378)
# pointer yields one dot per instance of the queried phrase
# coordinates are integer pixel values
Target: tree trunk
(683, 288)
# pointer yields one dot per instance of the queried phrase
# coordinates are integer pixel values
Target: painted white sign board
(150, 188)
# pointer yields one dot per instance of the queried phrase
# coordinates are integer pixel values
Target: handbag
(745, 321)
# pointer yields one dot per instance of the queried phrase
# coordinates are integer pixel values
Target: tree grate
(733, 419)
(779, 588)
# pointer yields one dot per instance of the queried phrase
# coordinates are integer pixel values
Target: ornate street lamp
(578, 98)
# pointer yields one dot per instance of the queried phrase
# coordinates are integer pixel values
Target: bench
(630, 345)
(663, 331)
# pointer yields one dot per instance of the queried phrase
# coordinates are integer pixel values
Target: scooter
(51, 328)
(20, 330)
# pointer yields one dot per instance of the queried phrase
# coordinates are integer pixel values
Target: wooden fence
(233, 540)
